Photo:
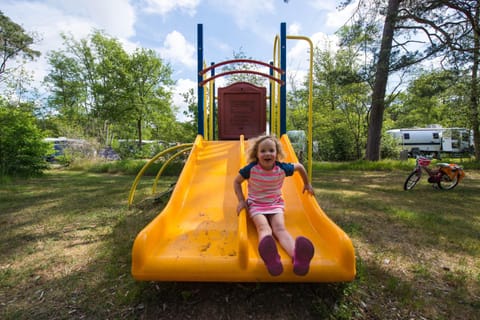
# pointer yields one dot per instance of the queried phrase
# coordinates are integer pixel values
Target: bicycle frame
(446, 177)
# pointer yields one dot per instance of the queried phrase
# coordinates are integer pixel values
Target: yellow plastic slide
(199, 237)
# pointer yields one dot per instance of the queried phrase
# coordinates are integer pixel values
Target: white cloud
(298, 56)
(220, 48)
(182, 86)
(50, 18)
(116, 17)
(163, 7)
(294, 29)
(246, 13)
(177, 49)
(336, 18)
(324, 41)
(322, 5)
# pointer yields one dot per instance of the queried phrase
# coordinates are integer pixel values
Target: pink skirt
(255, 208)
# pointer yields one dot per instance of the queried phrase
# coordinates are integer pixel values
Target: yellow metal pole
(310, 104)
(164, 166)
(211, 98)
(242, 218)
(276, 92)
(205, 113)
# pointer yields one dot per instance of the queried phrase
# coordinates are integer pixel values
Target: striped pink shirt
(265, 187)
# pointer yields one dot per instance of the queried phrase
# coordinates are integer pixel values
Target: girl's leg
(277, 222)
(301, 250)
(267, 247)
(262, 225)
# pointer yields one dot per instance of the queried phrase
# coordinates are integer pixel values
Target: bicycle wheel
(412, 180)
(446, 183)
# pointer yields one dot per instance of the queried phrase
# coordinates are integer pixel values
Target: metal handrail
(131, 195)
(164, 166)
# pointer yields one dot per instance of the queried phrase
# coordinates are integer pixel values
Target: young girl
(265, 205)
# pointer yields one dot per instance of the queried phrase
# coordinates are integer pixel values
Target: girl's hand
(242, 205)
(308, 187)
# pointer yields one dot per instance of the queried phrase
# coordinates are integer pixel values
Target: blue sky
(170, 26)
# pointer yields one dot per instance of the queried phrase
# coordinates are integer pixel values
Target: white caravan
(433, 141)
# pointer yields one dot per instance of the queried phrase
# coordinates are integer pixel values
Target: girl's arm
(303, 173)
(237, 186)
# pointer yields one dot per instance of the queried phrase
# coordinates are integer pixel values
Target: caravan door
(447, 141)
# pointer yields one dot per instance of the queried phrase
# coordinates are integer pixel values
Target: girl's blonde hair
(255, 142)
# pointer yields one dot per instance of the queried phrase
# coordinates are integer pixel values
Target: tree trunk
(474, 86)
(380, 86)
(139, 131)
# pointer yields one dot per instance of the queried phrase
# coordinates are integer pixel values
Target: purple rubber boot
(304, 251)
(268, 251)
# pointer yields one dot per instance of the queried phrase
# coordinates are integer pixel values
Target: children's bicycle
(446, 176)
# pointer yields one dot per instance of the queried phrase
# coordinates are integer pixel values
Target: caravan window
(435, 135)
(406, 136)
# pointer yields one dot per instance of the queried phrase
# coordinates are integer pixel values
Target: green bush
(336, 145)
(389, 148)
(22, 150)
(131, 150)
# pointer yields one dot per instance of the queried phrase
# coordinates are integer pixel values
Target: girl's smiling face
(267, 154)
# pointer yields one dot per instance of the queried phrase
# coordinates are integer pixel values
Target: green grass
(410, 241)
(389, 165)
(66, 245)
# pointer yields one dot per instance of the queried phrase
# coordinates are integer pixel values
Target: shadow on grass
(45, 209)
(97, 284)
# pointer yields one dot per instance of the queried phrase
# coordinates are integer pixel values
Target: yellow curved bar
(242, 218)
(205, 109)
(164, 166)
(145, 167)
(310, 104)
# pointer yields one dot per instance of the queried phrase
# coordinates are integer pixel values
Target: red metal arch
(242, 61)
(241, 71)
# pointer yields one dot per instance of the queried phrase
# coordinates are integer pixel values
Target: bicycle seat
(443, 164)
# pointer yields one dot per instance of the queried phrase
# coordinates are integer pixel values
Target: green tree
(14, 41)
(447, 29)
(22, 150)
(109, 93)
(110, 85)
(149, 97)
(452, 28)
(67, 90)
(435, 97)
(189, 127)
(341, 100)
(72, 82)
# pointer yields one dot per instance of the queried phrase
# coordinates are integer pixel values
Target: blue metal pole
(283, 88)
(200, 93)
